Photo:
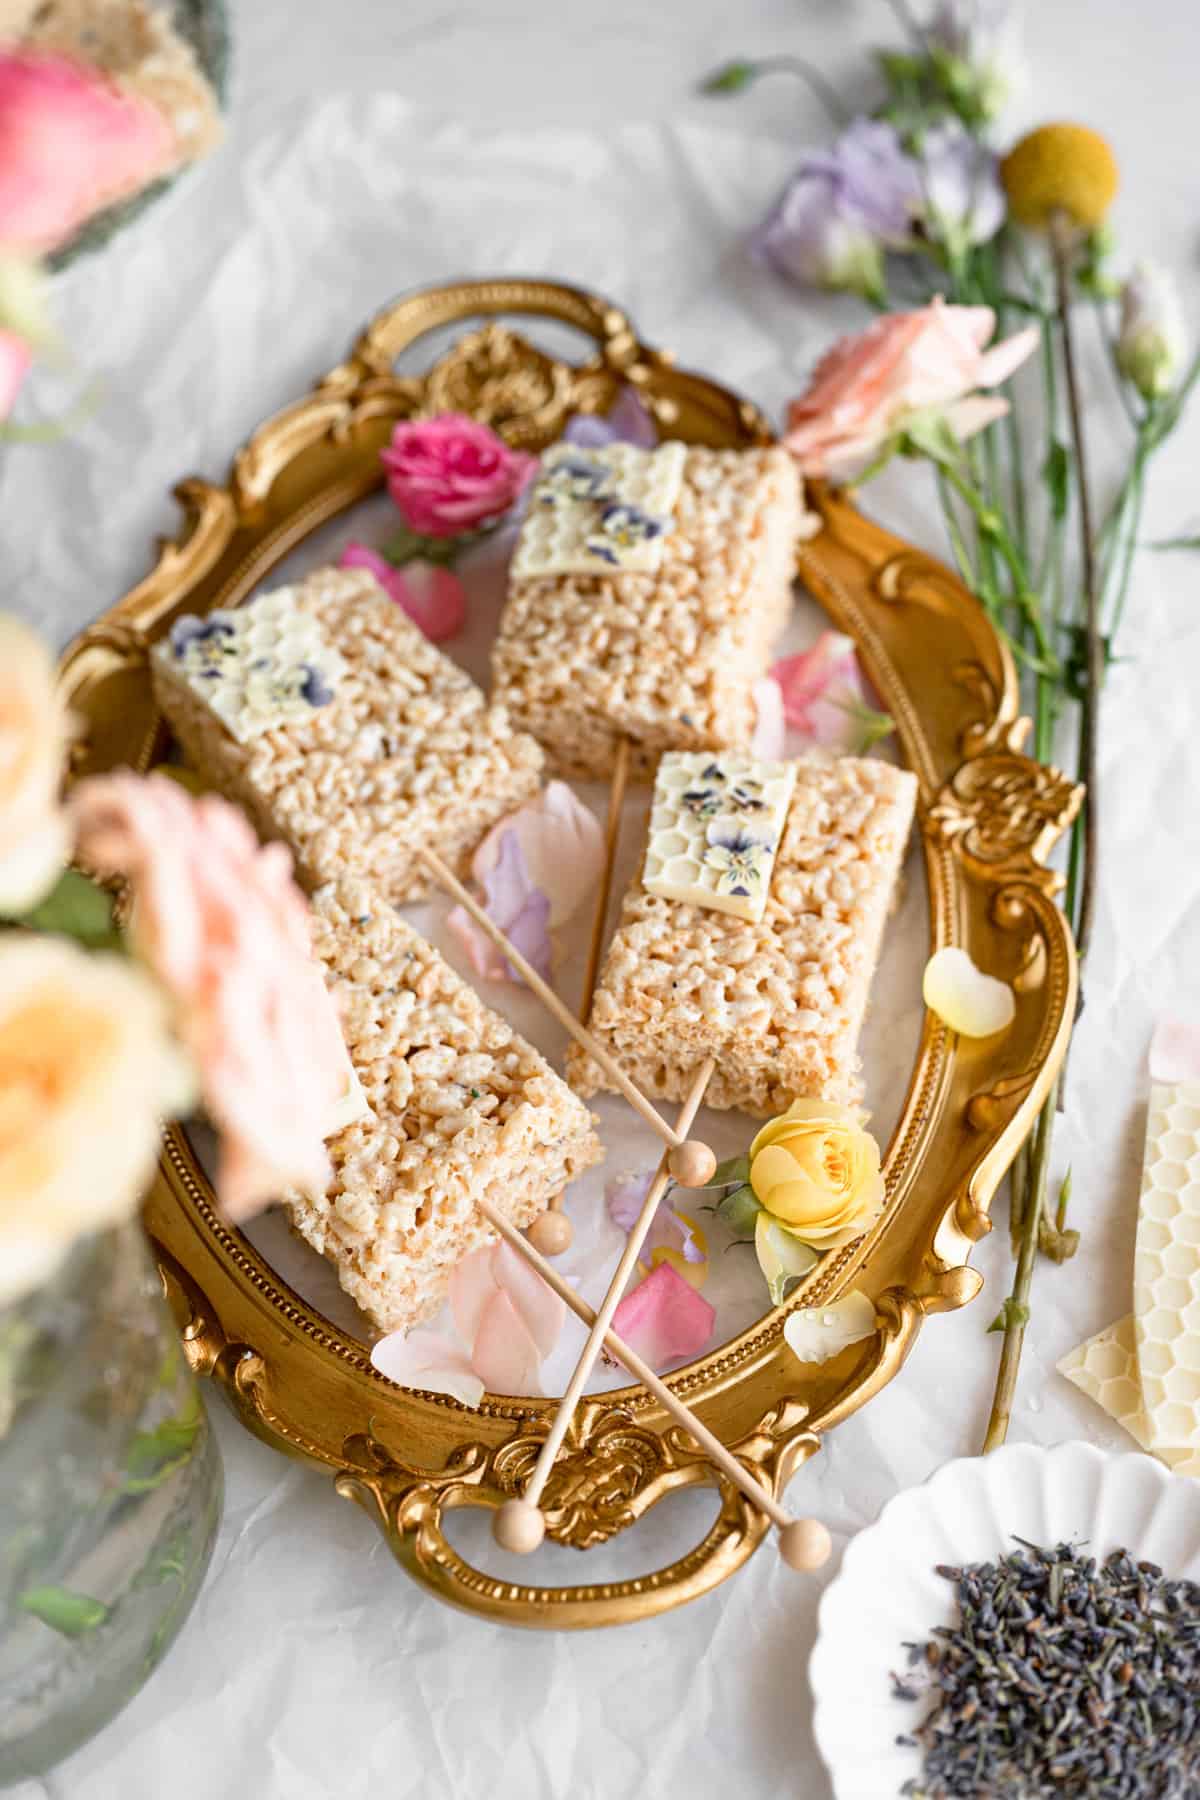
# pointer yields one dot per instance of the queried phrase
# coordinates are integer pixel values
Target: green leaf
(1056, 473)
(72, 1614)
(740, 1210)
(1177, 543)
(154, 1455)
(733, 1171)
(409, 546)
(899, 70)
(77, 908)
(1010, 1314)
(731, 78)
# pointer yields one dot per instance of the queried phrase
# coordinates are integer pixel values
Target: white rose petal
(964, 998)
(33, 733)
(816, 1333)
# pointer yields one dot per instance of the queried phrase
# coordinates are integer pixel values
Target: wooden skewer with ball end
(519, 1524)
(803, 1543)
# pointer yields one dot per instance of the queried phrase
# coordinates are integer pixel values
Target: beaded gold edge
(988, 817)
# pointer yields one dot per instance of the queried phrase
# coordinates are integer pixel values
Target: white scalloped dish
(887, 1592)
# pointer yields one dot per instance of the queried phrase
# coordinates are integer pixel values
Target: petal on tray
(672, 1236)
(1175, 1052)
(426, 1359)
(964, 998)
(664, 1318)
(432, 597)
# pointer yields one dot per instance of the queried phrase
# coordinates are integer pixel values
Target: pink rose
(220, 921)
(449, 474)
(71, 141)
(868, 388)
(433, 598)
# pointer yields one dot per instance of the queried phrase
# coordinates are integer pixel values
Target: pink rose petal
(15, 358)
(485, 959)
(507, 1314)
(538, 1306)
(471, 1287)
(1175, 1052)
(769, 741)
(426, 1359)
(664, 1318)
(823, 692)
(504, 1354)
(432, 597)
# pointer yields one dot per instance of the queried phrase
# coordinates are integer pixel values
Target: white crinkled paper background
(375, 148)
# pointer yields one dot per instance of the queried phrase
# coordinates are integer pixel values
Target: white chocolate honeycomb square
(716, 824)
(1166, 1268)
(593, 510)
(264, 666)
(1105, 1368)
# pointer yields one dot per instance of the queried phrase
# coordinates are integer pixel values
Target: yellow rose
(33, 733)
(817, 1171)
(86, 1069)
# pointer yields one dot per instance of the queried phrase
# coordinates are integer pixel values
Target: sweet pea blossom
(906, 368)
(450, 474)
(535, 867)
(977, 46)
(672, 1236)
(840, 210)
(825, 697)
(959, 201)
(71, 141)
(219, 920)
(627, 422)
(1151, 342)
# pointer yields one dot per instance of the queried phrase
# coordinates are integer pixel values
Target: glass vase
(110, 1494)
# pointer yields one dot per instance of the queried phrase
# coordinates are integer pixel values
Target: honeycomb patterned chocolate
(1105, 1368)
(1166, 1273)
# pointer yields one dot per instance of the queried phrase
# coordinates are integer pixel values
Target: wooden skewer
(519, 1524)
(552, 1232)
(612, 829)
(803, 1543)
(685, 1158)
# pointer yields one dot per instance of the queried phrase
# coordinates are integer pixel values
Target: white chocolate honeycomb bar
(403, 752)
(591, 508)
(1105, 1368)
(460, 1107)
(715, 827)
(778, 1002)
(265, 665)
(1166, 1268)
(667, 659)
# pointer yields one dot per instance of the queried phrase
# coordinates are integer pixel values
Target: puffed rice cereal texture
(780, 1003)
(460, 1107)
(407, 753)
(669, 659)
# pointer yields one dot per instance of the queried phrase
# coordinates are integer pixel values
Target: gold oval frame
(988, 817)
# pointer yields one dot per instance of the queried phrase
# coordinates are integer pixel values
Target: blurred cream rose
(87, 1067)
(33, 733)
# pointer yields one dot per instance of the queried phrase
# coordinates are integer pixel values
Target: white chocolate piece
(593, 511)
(715, 826)
(263, 666)
(1105, 1368)
(1166, 1268)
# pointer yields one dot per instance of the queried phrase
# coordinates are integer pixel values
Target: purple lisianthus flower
(960, 201)
(841, 209)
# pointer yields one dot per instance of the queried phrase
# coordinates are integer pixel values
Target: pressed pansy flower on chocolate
(740, 859)
(264, 666)
(574, 478)
(622, 528)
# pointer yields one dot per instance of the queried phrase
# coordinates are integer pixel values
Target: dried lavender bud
(1063, 1676)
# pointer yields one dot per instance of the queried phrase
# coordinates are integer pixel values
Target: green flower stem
(958, 543)
(1015, 1312)
(995, 531)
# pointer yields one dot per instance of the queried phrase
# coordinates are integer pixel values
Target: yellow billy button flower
(1064, 169)
(817, 1172)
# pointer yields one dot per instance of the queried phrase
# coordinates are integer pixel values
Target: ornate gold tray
(988, 818)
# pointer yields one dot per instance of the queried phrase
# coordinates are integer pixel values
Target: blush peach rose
(33, 734)
(220, 921)
(817, 1172)
(87, 1068)
(869, 388)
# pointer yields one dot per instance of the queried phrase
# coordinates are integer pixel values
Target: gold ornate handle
(410, 1514)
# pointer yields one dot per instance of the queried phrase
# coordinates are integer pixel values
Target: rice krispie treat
(645, 594)
(325, 713)
(460, 1106)
(778, 1000)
